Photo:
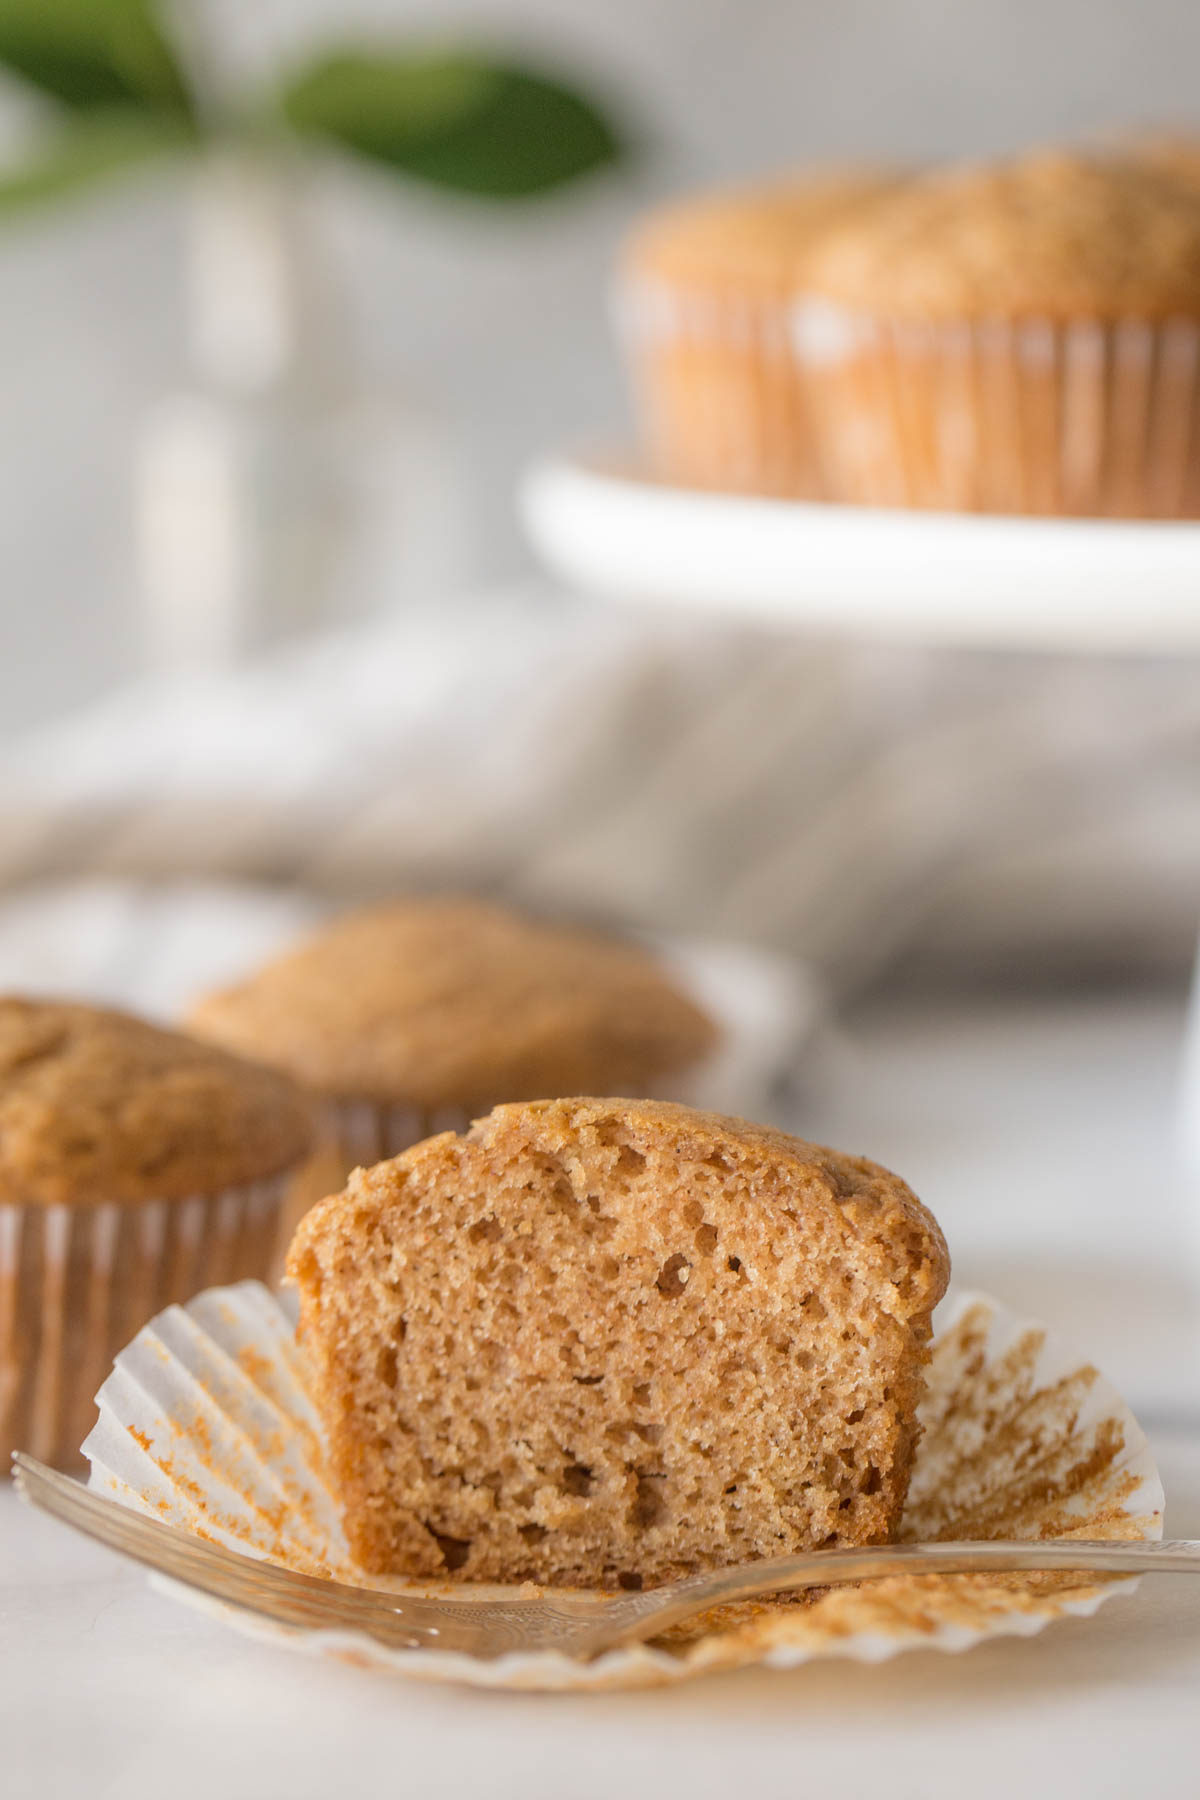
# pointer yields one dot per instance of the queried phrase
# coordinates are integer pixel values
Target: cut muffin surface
(607, 1343)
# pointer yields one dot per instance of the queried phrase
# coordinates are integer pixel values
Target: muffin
(704, 298)
(608, 1343)
(1016, 338)
(136, 1166)
(412, 1017)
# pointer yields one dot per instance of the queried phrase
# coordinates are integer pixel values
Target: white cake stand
(1090, 586)
(1127, 586)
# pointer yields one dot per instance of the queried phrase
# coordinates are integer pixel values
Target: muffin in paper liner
(1075, 418)
(721, 400)
(77, 1281)
(702, 305)
(206, 1422)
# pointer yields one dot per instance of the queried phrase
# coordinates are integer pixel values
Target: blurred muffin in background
(136, 1167)
(704, 299)
(411, 1018)
(1021, 337)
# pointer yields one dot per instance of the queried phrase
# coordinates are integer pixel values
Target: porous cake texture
(609, 1342)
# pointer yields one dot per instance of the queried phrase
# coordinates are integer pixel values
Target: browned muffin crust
(752, 237)
(601, 1341)
(452, 1002)
(1056, 235)
(98, 1106)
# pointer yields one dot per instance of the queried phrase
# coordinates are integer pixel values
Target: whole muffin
(1022, 337)
(136, 1166)
(704, 297)
(410, 1018)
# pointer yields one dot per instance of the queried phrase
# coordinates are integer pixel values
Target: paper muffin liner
(365, 1132)
(206, 1422)
(77, 1281)
(721, 398)
(1033, 416)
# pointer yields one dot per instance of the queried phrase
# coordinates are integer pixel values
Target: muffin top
(1050, 236)
(454, 1002)
(97, 1106)
(751, 236)
(1176, 152)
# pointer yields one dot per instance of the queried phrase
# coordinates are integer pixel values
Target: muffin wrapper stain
(1034, 416)
(206, 1422)
(77, 1281)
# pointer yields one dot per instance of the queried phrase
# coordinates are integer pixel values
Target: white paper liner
(720, 393)
(366, 1132)
(206, 1422)
(77, 1281)
(1078, 419)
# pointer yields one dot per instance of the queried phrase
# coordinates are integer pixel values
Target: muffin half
(612, 1342)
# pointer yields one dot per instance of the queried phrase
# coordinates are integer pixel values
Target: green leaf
(94, 53)
(85, 151)
(459, 121)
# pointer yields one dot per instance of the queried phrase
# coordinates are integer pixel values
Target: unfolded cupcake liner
(77, 1281)
(207, 1422)
(720, 395)
(1034, 416)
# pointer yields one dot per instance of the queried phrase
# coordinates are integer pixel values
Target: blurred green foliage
(480, 125)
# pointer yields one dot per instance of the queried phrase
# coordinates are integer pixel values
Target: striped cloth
(857, 807)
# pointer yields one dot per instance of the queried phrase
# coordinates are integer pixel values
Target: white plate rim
(1040, 584)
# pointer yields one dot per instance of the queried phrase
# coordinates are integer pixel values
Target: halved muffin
(607, 1342)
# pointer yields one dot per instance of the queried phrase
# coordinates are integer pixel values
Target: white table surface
(1028, 1123)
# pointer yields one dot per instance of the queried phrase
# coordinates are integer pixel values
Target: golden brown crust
(453, 1002)
(601, 1340)
(98, 1106)
(1054, 235)
(754, 237)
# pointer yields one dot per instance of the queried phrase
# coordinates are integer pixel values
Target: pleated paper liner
(721, 398)
(1028, 416)
(206, 1422)
(77, 1281)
